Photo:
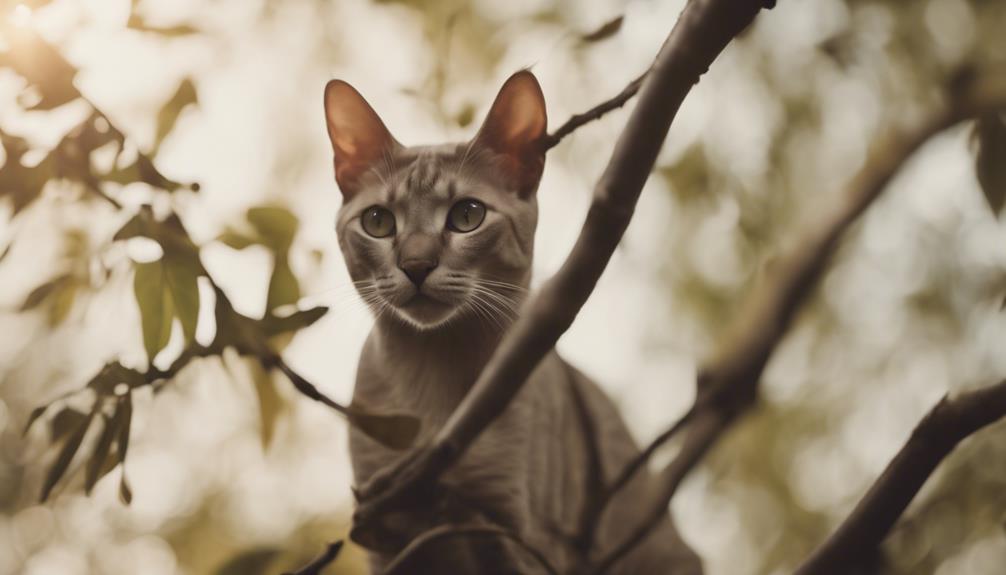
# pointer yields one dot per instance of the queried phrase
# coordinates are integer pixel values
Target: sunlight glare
(21, 15)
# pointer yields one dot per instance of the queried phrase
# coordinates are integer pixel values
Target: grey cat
(438, 241)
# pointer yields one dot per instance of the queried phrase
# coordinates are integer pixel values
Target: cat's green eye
(378, 222)
(466, 215)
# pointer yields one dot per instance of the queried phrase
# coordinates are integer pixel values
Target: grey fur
(530, 470)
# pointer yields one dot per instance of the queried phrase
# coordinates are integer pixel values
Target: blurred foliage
(752, 470)
(897, 51)
(990, 159)
(272, 227)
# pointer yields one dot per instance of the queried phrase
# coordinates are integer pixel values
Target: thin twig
(303, 385)
(704, 431)
(951, 421)
(577, 120)
(448, 531)
(320, 562)
(590, 523)
(95, 187)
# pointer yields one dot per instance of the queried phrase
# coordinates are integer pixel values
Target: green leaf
(136, 226)
(40, 293)
(236, 240)
(122, 441)
(183, 97)
(605, 31)
(136, 22)
(182, 281)
(397, 431)
(276, 226)
(270, 402)
(62, 302)
(20, 183)
(98, 464)
(65, 421)
(236, 330)
(465, 116)
(122, 446)
(111, 375)
(273, 325)
(254, 562)
(284, 289)
(64, 458)
(156, 306)
(125, 493)
(33, 417)
(990, 159)
(72, 155)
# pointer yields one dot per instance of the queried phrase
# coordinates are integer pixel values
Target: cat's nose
(418, 256)
(418, 269)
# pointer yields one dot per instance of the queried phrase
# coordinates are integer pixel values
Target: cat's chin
(425, 313)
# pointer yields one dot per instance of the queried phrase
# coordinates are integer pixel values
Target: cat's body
(439, 241)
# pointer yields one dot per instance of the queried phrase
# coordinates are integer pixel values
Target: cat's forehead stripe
(423, 172)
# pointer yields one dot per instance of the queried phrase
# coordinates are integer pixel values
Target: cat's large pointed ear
(359, 137)
(515, 128)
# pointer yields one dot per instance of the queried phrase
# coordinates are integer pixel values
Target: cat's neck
(430, 371)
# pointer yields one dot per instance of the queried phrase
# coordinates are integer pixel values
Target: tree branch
(705, 429)
(320, 562)
(596, 506)
(951, 421)
(448, 531)
(728, 383)
(595, 113)
(703, 30)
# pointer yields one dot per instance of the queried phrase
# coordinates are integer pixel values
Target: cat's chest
(430, 387)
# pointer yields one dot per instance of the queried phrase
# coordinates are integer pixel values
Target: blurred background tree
(166, 175)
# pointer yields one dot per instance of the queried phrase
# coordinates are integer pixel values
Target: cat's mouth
(421, 299)
(425, 310)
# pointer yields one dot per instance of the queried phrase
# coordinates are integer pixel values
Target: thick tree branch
(401, 561)
(952, 420)
(728, 383)
(703, 30)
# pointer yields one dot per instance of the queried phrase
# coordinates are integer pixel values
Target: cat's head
(436, 233)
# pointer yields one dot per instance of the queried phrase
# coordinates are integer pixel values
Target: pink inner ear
(514, 128)
(358, 136)
(527, 116)
(517, 118)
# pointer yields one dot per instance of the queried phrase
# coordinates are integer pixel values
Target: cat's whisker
(479, 310)
(496, 312)
(340, 299)
(507, 303)
(342, 290)
(502, 284)
(464, 158)
(498, 309)
(486, 312)
(483, 325)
